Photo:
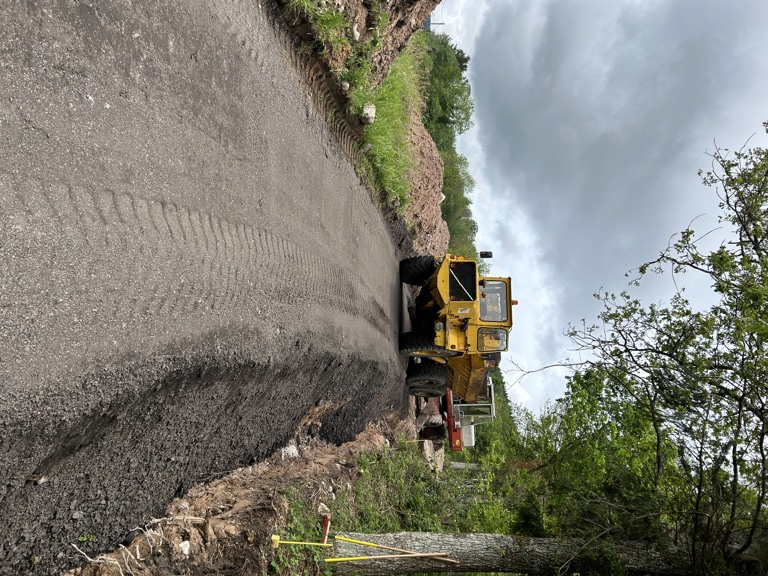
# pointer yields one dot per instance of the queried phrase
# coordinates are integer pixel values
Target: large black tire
(427, 379)
(422, 345)
(417, 270)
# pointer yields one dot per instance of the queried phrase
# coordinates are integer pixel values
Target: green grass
(332, 25)
(388, 162)
(302, 527)
(390, 159)
(329, 24)
(394, 491)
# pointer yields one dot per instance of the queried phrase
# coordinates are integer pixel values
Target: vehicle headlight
(491, 339)
(439, 326)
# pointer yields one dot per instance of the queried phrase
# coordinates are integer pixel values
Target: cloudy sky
(591, 121)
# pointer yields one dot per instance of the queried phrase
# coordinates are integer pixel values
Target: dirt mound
(171, 181)
(405, 18)
(190, 265)
(428, 229)
(226, 526)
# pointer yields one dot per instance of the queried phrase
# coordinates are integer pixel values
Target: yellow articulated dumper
(460, 321)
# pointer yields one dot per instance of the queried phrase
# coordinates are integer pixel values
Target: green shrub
(395, 491)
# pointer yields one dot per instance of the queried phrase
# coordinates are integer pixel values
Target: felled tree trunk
(497, 553)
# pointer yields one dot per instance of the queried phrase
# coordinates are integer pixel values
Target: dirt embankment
(427, 229)
(193, 267)
(226, 526)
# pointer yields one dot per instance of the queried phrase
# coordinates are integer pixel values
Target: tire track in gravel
(189, 265)
(124, 228)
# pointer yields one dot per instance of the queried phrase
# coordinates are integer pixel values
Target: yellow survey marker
(276, 542)
(435, 555)
(364, 543)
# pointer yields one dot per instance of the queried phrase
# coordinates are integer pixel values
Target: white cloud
(461, 19)
(591, 122)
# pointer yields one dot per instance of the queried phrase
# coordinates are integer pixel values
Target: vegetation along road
(189, 264)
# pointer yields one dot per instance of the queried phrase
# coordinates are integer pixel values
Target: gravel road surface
(188, 265)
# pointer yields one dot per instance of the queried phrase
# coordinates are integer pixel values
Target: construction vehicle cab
(460, 324)
(457, 311)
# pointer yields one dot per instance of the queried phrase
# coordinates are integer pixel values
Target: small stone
(345, 86)
(184, 547)
(290, 451)
(355, 32)
(368, 115)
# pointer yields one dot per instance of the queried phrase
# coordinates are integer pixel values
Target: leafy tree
(698, 377)
(599, 463)
(529, 520)
(457, 183)
(449, 105)
(455, 208)
(448, 112)
(461, 57)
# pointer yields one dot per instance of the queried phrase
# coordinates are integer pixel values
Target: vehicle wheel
(417, 270)
(426, 391)
(427, 380)
(422, 345)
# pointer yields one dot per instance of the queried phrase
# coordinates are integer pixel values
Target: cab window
(493, 301)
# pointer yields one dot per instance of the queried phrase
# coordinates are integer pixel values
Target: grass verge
(394, 491)
(302, 526)
(387, 161)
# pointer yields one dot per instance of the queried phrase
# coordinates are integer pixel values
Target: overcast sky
(591, 121)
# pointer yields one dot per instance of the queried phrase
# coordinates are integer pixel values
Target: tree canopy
(449, 96)
(448, 112)
(699, 378)
(661, 434)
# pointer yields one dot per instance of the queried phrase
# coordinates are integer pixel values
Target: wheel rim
(425, 384)
(425, 388)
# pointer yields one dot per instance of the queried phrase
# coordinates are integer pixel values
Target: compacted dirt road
(188, 265)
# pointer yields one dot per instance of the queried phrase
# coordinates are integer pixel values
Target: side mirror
(486, 255)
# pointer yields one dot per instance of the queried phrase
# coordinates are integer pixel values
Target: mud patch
(177, 422)
(225, 527)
